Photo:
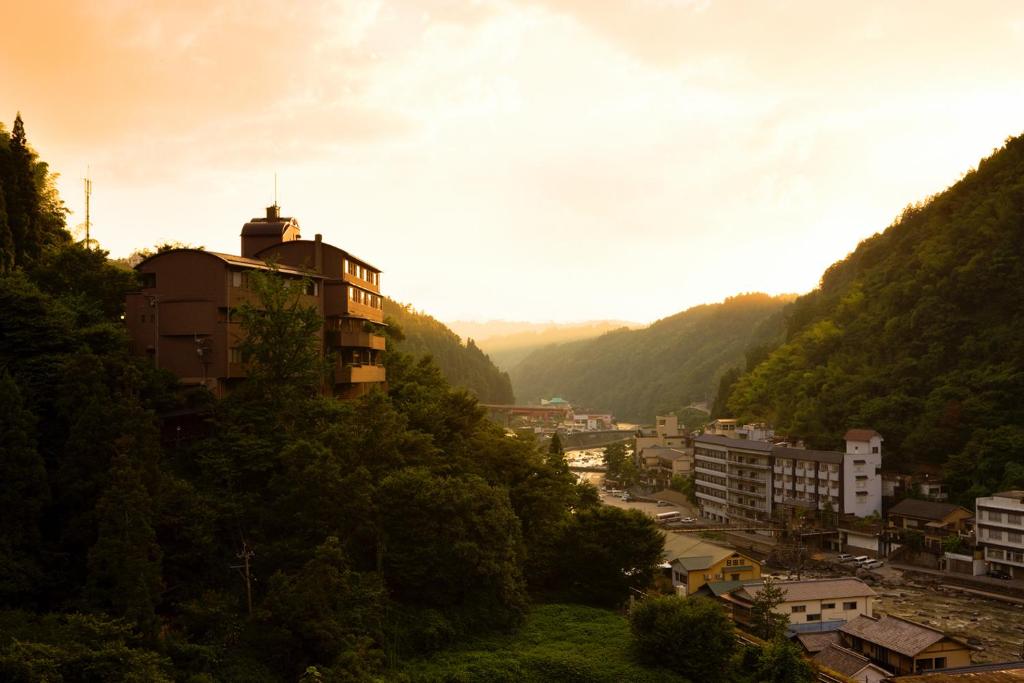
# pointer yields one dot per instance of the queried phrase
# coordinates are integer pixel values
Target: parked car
(862, 559)
(663, 503)
(688, 520)
(999, 574)
(843, 557)
(874, 564)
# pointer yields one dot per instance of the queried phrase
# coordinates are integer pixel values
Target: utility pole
(244, 569)
(88, 194)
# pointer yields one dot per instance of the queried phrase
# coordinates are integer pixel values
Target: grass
(565, 643)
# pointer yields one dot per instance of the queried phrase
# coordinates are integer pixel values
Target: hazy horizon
(558, 160)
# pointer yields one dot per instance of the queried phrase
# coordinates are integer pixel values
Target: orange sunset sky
(534, 159)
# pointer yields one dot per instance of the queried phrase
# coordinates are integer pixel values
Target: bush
(693, 637)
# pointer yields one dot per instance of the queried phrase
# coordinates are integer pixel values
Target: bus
(669, 517)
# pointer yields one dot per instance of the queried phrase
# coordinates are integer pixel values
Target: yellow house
(696, 562)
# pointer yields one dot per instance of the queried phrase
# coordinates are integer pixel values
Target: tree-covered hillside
(508, 349)
(919, 333)
(463, 366)
(670, 364)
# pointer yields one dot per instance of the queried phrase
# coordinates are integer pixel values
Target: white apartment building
(999, 525)
(805, 479)
(862, 472)
(741, 480)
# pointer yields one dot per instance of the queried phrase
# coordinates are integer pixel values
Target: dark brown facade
(182, 317)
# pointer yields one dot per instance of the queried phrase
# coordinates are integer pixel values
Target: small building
(854, 666)
(999, 524)
(696, 562)
(661, 463)
(860, 538)
(810, 605)
(935, 521)
(903, 646)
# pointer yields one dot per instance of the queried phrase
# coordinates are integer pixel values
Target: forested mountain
(666, 366)
(508, 351)
(463, 366)
(919, 333)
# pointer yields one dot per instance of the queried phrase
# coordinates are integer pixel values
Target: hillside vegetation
(463, 365)
(670, 364)
(919, 333)
(507, 349)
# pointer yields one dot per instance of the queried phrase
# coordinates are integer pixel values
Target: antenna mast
(275, 188)
(88, 194)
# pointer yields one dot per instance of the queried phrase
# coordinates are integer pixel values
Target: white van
(861, 560)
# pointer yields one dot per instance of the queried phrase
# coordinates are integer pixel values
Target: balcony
(357, 374)
(754, 480)
(363, 340)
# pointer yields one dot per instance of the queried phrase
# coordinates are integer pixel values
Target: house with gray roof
(903, 646)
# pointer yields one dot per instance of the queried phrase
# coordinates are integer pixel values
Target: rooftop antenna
(275, 188)
(88, 194)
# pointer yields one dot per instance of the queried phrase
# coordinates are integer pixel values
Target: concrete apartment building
(183, 317)
(999, 525)
(744, 480)
(733, 478)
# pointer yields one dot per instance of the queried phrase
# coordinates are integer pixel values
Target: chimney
(318, 248)
(273, 212)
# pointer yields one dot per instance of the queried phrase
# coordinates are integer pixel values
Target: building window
(940, 662)
(235, 355)
(236, 278)
(828, 605)
(799, 609)
(813, 617)
(1013, 518)
(1013, 536)
(850, 605)
(148, 280)
(874, 449)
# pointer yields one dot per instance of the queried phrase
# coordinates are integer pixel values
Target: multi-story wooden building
(184, 315)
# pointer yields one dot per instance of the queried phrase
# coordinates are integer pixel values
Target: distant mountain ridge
(509, 342)
(463, 365)
(666, 366)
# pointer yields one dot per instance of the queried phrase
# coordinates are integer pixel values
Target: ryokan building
(184, 318)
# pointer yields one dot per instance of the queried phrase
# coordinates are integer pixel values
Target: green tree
(605, 553)
(6, 238)
(23, 496)
(781, 662)
(282, 346)
(693, 636)
(620, 466)
(765, 622)
(685, 484)
(124, 563)
(325, 614)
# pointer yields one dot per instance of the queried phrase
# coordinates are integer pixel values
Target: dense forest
(674, 362)
(919, 334)
(463, 365)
